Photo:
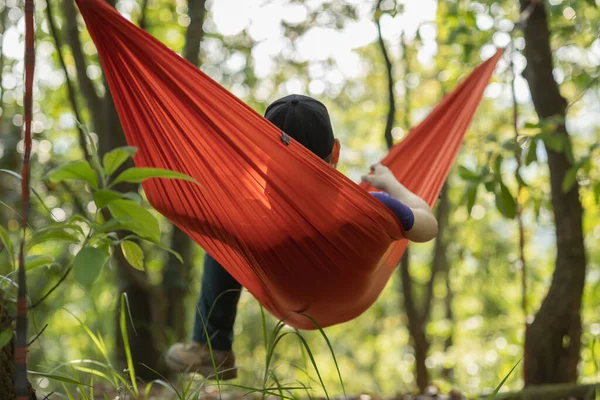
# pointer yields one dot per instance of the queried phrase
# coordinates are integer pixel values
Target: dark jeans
(222, 290)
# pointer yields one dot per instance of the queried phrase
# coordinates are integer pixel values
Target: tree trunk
(553, 392)
(553, 341)
(448, 372)
(418, 316)
(175, 282)
(7, 357)
(175, 274)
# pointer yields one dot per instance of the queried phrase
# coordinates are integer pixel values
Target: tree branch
(70, 89)
(194, 33)
(85, 83)
(440, 258)
(389, 124)
(52, 289)
(519, 211)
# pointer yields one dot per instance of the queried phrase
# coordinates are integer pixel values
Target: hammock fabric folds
(298, 235)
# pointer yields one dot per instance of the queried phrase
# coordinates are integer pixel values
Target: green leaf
(531, 152)
(467, 174)
(114, 224)
(553, 142)
(5, 337)
(597, 192)
(133, 196)
(61, 235)
(505, 202)
(57, 378)
(144, 223)
(537, 205)
(88, 265)
(78, 170)
(490, 186)
(174, 253)
(115, 158)
(520, 179)
(104, 196)
(80, 219)
(569, 179)
(37, 260)
(12, 173)
(57, 226)
(471, 195)
(510, 144)
(498, 164)
(493, 395)
(137, 175)
(7, 244)
(133, 254)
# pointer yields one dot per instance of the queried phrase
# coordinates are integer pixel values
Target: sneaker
(196, 357)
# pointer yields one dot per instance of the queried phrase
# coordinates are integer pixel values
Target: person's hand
(380, 178)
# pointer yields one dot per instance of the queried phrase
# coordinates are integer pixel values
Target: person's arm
(425, 226)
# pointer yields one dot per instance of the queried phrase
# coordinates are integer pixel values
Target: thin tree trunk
(175, 274)
(391, 115)
(553, 341)
(416, 324)
(7, 357)
(448, 373)
(418, 317)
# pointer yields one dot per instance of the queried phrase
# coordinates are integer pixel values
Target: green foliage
(7, 245)
(137, 175)
(76, 170)
(139, 220)
(133, 254)
(116, 157)
(37, 260)
(88, 265)
(5, 337)
(374, 350)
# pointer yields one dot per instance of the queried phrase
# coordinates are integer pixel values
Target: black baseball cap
(304, 119)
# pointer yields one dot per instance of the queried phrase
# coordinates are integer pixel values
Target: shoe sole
(207, 372)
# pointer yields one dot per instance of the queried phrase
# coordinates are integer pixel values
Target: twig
(48, 396)
(37, 336)
(583, 91)
(389, 139)
(519, 211)
(62, 278)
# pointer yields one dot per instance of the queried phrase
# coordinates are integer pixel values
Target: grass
(184, 389)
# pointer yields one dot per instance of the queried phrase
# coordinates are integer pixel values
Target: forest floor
(161, 393)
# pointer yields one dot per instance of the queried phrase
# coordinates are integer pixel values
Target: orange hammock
(297, 234)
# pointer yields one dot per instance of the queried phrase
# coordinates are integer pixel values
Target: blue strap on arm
(402, 211)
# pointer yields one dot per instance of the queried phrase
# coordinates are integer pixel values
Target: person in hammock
(307, 121)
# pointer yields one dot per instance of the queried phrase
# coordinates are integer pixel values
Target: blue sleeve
(402, 211)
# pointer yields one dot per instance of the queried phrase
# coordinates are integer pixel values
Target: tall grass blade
(493, 395)
(125, 336)
(330, 349)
